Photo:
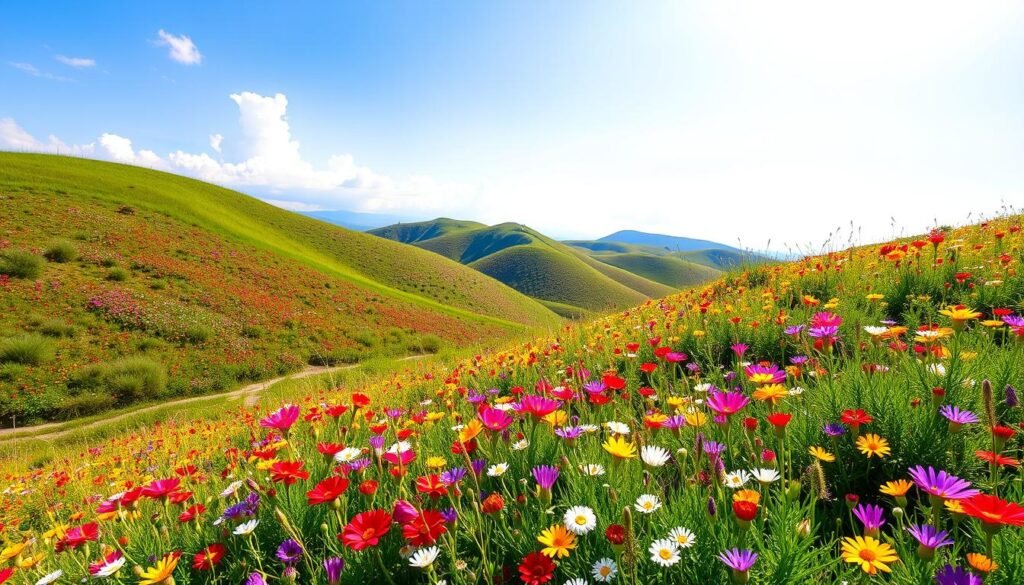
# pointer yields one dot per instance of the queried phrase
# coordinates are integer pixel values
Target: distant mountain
(670, 243)
(353, 220)
(567, 279)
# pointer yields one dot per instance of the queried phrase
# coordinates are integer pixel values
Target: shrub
(61, 251)
(137, 378)
(29, 350)
(149, 343)
(117, 274)
(20, 264)
(9, 372)
(158, 284)
(198, 334)
(85, 404)
(56, 328)
(428, 343)
(253, 331)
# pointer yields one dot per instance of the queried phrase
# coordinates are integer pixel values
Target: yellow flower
(871, 444)
(896, 489)
(874, 297)
(821, 454)
(557, 541)
(773, 393)
(164, 568)
(470, 430)
(992, 323)
(434, 416)
(751, 496)
(30, 561)
(557, 418)
(871, 555)
(619, 447)
(960, 314)
(953, 506)
(436, 462)
(981, 563)
(11, 551)
(695, 418)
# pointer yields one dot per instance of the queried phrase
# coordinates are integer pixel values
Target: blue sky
(725, 120)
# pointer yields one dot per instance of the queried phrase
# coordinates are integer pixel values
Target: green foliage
(127, 381)
(118, 274)
(57, 328)
(20, 264)
(28, 350)
(61, 251)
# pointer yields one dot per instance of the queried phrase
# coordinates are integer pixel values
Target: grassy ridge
(667, 270)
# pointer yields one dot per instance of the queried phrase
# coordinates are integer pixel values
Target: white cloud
(76, 62)
(215, 141)
(14, 137)
(119, 149)
(182, 49)
(35, 72)
(293, 205)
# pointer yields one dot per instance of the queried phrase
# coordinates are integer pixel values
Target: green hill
(667, 270)
(151, 274)
(567, 280)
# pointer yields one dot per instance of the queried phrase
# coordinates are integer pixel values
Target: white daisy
(704, 387)
(520, 445)
(937, 369)
(228, 491)
(647, 504)
(736, 479)
(579, 520)
(110, 568)
(654, 456)
(52, 577)
(497, 470)
(604, 570)
(576, 581)
(424, 557)
(400, 447)
(347, 455)
(617, 427)
(875, 330)
(683, 537)
(765, 475)
(246, 528)
(589, 428)
(796, 391)
(592, 469)
(665, 552)
(506, 406)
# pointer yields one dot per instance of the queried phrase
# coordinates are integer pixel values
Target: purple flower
(834, 430)
(793, 330)
(770, 374)
(950, 575)
(674, 422)
(712, 507)
(928, 537)
(333, 566)
(828, 332)
(738, 560)
(1011, 396)
(727, 403)
(940, 484)
(478, 466)
(595, 387)
(569, 433)
(289, 552)
(1014, 320)
(676, 357)
(798, 360)
(450, 515)
(693, 367)
(394, 412)
(957, 416)
(546, 475)
(475, 397)
(377, 442)
(255, 579)
(453, 476)
(871, 516)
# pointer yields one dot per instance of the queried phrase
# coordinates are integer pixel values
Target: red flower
(779, 420)
(288, 471)
(192, 513)
(997, 459)
(536, 569)
(614, 382)
(994, 512)
(360, 400)
(336, 411)
(368, 487)
(750, 423)
(744, 510)
(431, 485)
(365, 529)
(329, 450)
(209, 557)
(648, 367)
(78, 536)
(855, 418)
(327, 490)
(615, 533)
(160, 488)
(493, 504)
(1002, 432)
(6, 574)
(425, 528)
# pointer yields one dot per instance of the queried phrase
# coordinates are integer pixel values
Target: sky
(763, 124)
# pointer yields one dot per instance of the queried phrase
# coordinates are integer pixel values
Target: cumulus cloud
(76, 62)
(215, 141)
(14, 137)
(119, 149)
(180, 48)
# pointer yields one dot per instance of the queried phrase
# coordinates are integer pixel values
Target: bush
(428, 343)
(20, 264)
(85, 405)
(117, 274)
(253, 331)
(198, 334)
(56, 328)
(149, 343)
(158, 284)
(134, 379)
(29, 350)
(61, 251)
(9, 372)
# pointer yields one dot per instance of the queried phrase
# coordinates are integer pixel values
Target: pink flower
(283, 419)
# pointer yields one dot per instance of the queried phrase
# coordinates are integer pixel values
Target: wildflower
(592, 469)
(161, 488)
(282, 419)
(872, 517)
(873, 445)
(52, 578)
(956, 417)
(897, 489)
(327, 491)
(772, 393)
(960, 315)
(493, 504)
(209, 557)
(765, 475)
(288, 472)
(604, 570)
(940, 484)
(981, 563)
(736, 479)
(647, 504)
(425, 528)
(557, 541)
(726, 403)
(546, 476)
(333, 566)
(928, 538)
(997, 459)
(664, 552)
(619, 448)
(821, 454)
(654, 456)
(580, 520)
(424, 557)
(760, 374)
(870, 554)
(365, 529)
(683, 537)
(993, 512)
(163, 569)
(108, 566)
(246, 528)
(536, 569)
(740, 561)
(950, 575)
(497, 470)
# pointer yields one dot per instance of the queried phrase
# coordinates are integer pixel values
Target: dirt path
(250, 393)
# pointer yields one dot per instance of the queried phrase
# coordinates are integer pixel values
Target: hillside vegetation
(852, 417)
(120, 284)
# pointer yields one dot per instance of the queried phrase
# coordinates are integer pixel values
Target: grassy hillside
(564, 278)
(668, 270)
(719, 259)
(794, 420)
(125, 284)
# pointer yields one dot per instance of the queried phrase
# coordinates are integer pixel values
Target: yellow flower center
(867, 555)
(665, 554)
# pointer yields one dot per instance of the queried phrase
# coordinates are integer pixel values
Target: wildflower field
(850, 417)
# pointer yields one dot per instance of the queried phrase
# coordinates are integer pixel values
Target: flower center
(581, 520)
(369, 533)
(665, 554)
(867, 555)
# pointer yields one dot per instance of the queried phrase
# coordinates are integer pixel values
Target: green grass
(667, 270)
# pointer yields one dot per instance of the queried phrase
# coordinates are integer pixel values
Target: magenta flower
(940, 484)
(538, 406)
(929, 537)
(826, 319)
(770, 374)
(871, 516)
(546, 475)
(738, 560)
(495, 419)
(956, 416)
(282, 419)
(727, 403)
(950, 575)
(739, 349)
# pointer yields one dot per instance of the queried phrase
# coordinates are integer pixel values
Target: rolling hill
(673, 243)
(569, 280)
(120, 284)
